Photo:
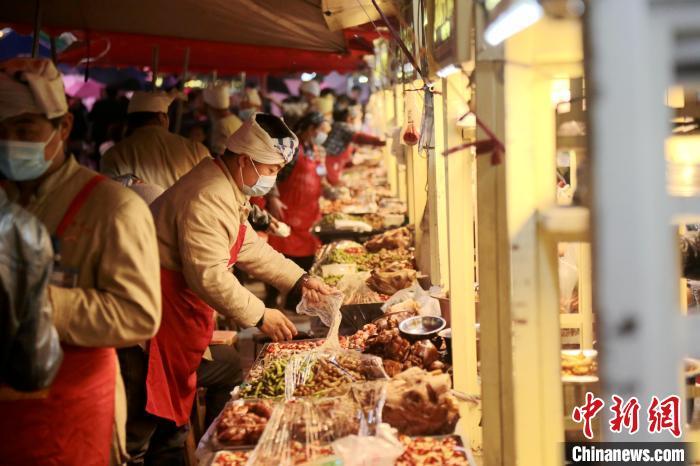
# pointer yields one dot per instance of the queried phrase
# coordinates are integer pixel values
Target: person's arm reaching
(367, 139)
(204, 242)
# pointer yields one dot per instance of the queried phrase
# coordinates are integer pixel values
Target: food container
(585, 379)
(255, 430)
(421, 327)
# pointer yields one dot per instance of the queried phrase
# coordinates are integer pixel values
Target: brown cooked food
(578, 364)
(420, 403)
(242, 424)
(389, 282)
(392, 239)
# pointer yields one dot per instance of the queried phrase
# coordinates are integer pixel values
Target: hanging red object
(411, 136)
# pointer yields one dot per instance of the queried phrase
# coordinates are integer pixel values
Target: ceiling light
(307, 76)
(520, 15)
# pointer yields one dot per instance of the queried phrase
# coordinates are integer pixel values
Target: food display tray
(216, 457)
(217, 445)
(460, 448)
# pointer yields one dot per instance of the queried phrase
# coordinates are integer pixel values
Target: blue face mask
(22, 160)
(261, 187)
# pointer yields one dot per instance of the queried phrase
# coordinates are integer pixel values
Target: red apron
(335, 165)
(300, 193)
(176, 351)
(73, 424)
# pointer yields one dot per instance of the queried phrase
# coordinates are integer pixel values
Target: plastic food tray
(215, 461)
(218, 445)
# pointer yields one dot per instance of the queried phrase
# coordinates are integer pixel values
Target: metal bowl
(420, 327)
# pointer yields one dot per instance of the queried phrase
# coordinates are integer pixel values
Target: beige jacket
(153, 154)
(112, 244)
(197, 223)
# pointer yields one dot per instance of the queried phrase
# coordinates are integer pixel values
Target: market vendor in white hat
(109, 293)
(223, 122)
(202, 232)
(150, 151)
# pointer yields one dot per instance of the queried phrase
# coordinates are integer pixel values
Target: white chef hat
(153, 102)
(217, 96)
(252, 96)
(254, 141)
(311, 87)
(31, 85)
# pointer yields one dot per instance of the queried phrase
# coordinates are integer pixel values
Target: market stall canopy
(124, 50)
(297, 24)
(342, 14)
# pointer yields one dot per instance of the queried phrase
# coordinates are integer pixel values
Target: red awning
(122, 50)
(257, 36)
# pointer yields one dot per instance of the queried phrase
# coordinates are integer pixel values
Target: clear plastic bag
(370, 398)
(426, 305)
(355, 289)
(381, 450)
(325, 309)
(300, 432)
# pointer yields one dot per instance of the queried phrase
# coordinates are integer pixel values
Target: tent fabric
(296, 24)
(125, 50)
(343, 14)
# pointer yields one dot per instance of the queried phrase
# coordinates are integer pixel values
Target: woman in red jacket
(299, 188)
(294, 200)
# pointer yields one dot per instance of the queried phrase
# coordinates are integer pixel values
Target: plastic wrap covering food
(380, 450)
(266, 380)
(241, 423)
(416, 298)
(30, 352)
(329, 372)
(300, 432)
(356, 291)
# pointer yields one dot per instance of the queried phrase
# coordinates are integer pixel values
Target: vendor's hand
(276, 207)
(274, 226)
(277, 326)
(314, 288)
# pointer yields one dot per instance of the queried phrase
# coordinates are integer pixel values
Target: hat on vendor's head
(264, 138)
(252, 98)
(217, 96)
(310, 87)
(152, 102)
(31, 85)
